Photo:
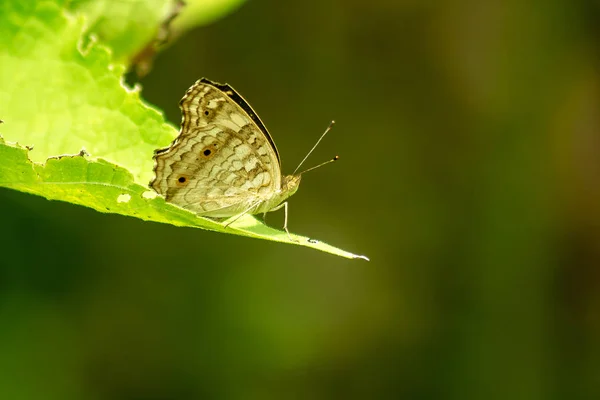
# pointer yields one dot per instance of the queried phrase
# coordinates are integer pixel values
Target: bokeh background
(470, 175)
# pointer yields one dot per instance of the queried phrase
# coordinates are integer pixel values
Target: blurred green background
(470, 175)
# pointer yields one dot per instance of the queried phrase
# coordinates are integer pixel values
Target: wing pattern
(223, 160)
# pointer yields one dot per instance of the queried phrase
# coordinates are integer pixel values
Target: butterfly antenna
(313, 148)
(320, 165)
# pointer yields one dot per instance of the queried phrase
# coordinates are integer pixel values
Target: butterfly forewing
(245, 108)
(223, 160)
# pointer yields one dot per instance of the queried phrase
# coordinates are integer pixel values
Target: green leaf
(127, 26)
(63, 98)
(201, 12)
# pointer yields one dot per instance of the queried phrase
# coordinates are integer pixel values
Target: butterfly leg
(285, 214)
(240, 215)
(285, 218)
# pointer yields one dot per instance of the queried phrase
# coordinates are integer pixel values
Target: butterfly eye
(206, 112)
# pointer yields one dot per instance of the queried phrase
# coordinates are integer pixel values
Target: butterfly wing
(223, 160)
(208, 102)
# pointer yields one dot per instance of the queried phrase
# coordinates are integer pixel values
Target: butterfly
(224, 163)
